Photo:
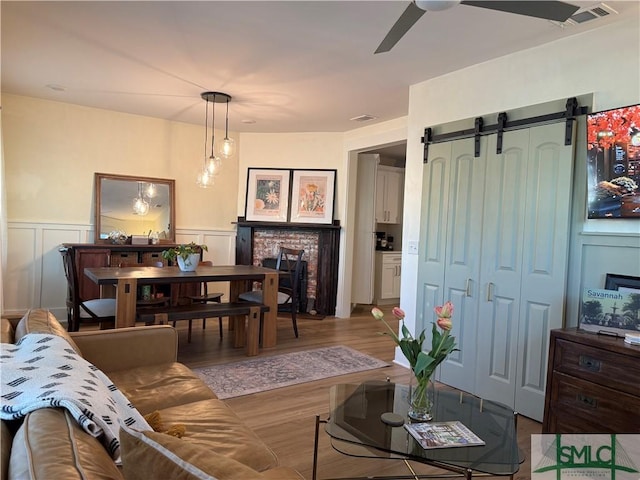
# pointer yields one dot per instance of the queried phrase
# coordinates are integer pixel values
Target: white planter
(190, 264)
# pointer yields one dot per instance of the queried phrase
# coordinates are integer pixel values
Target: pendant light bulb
(213, 165)
(151, 191)
(204, 179)
(227, 147)
(140, 205)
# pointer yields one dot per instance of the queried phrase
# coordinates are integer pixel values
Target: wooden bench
(245, 334)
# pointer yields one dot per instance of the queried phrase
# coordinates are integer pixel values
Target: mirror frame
(99, 177)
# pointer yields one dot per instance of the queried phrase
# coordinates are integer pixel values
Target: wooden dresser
(107, 255)
(593, 384)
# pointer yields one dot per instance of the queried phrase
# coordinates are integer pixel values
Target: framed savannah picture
(313, 196)
(267, 195)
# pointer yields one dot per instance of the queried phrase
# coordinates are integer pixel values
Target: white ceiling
(290, 66)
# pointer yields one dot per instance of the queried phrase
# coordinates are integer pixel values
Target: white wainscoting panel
(35, 275)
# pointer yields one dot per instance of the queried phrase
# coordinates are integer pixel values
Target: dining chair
(98, 310)
(204, 297)
(290, 263)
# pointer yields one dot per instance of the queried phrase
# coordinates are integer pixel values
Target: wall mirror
(136, 205)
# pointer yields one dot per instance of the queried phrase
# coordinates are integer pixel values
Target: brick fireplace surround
(258, 240)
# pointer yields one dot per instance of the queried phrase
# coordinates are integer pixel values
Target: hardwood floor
(285, 418)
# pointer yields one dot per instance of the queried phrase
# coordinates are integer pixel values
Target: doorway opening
(379, 189)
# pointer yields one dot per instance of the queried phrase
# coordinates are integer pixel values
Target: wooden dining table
(126, 279)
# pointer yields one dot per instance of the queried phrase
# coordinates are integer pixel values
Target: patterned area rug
(267, 373)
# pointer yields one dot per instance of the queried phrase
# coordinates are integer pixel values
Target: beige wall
(52, 150)
(292, 150)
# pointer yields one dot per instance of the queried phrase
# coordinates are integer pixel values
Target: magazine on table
(443, 434)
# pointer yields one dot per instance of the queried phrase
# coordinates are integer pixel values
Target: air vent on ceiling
(588, 14)
(363, 118)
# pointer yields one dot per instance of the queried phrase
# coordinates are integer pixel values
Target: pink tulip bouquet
(423, 364)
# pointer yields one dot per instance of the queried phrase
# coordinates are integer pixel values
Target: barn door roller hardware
(504, 125)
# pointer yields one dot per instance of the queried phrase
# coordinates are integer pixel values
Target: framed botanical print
(267, 195)
(313, 196)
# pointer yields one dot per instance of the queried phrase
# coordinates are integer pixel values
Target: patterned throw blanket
(42, 371)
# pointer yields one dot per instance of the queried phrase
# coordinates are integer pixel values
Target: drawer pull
(587, 401)
(589, 363)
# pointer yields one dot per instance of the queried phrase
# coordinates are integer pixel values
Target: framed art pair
(287, 195)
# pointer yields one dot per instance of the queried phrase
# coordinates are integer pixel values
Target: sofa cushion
(156, 387)
(7, 332)
(281, 473)
(39, 320)
(6, 439)
(214, 426)
(156, 455)
(50, 444)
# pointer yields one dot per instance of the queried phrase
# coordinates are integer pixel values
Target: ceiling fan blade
(408, 18)
(558, 11)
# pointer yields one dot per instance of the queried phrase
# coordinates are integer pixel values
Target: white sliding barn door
(524, 264)
(450, 257)
(494, 241)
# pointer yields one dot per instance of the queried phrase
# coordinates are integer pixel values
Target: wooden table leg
(126, 302)
(270, 299)
(236, 324)
(239, 330)
(253, 332)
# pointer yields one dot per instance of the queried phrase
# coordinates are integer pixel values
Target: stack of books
(632, 338)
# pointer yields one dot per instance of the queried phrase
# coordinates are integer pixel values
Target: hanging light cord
(213, 123)
(226, 126)
(206, 129)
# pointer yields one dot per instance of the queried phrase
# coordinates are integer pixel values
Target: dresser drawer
(582, 404)
(603, 367)
(122, 259)
(392, 258)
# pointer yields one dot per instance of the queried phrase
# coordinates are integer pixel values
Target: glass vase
(420, 399)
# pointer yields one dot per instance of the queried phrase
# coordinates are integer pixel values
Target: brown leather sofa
(49, 444)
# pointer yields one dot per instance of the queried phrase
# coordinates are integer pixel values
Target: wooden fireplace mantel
(328, 255)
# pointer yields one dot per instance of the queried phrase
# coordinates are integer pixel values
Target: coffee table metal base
(356, 427)
(454, 472)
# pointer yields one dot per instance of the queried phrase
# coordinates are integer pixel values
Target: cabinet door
(393, 195)
(387, 281)
(381, 212)
(389, 192)
(396, 280)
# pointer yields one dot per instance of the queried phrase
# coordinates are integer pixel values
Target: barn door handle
(490, 292)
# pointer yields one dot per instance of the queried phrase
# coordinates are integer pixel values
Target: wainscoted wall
(599, 254)
(35, 266)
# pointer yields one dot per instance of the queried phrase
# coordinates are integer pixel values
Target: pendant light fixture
(212, 163)
(140, 205)
(228, 145)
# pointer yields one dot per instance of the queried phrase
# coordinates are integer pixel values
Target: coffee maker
(381, 241)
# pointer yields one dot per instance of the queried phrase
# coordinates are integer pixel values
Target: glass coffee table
(355, 428)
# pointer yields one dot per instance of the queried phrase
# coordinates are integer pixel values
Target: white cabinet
(388, 272)
(389, 190)
(494, 241)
